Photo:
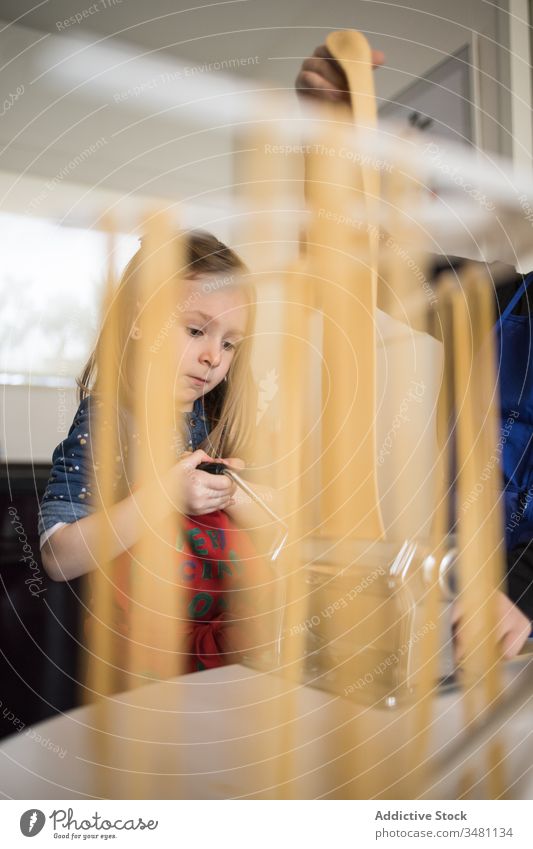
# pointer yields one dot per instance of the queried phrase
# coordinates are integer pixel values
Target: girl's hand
(322, 77)
(200, 491)
(513, 628)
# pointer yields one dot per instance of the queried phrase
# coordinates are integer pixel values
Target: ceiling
(175, 139)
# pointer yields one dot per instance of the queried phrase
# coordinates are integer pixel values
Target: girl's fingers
(192, 460)
(217, 483)
(209, 503)
(219, 504)
(202, 457)
(215, 498)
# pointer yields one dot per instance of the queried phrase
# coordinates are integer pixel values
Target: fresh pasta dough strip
(342, 259)
(263, 177)
(471, 632)
(490, 532)
(155, 593)
(296, 331)
(352, 51)
(419, 675)
(426, 683)
(104, 666)
(349, 494)
(477, 552)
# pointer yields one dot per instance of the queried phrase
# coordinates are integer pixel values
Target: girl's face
(212, 325)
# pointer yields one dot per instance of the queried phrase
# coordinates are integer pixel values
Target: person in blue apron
(321, 77)
(514, 331)
(513, 343)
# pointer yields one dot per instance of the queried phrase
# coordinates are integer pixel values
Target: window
(51, 285)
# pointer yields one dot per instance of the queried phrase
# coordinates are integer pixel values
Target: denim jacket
(68, 495)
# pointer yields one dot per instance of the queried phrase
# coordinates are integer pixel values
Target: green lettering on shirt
(207, 571)
(188, 569)
(199, 605)
(223, 567)
(198, 543)
(217, 537)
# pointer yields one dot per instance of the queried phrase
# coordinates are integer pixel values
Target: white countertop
(215, 734)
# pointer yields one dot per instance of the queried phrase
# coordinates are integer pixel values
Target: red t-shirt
(224, 588)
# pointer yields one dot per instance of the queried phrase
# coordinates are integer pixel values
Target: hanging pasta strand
(352, 51)
(468, 554)
(104, 665)
(477, 559)
(297, 303)
(342, 258)
(490, 529)
(345, 258)
(153, 574)
(415, 593)
(263, 175)
(426, 685)
(156, 606)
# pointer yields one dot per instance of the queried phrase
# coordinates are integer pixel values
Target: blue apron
(514, 340)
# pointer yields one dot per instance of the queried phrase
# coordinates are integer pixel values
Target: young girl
(213, 323)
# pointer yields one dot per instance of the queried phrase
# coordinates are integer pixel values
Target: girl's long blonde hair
(229, 407)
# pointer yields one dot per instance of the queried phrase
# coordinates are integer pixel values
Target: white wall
(34, 420)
